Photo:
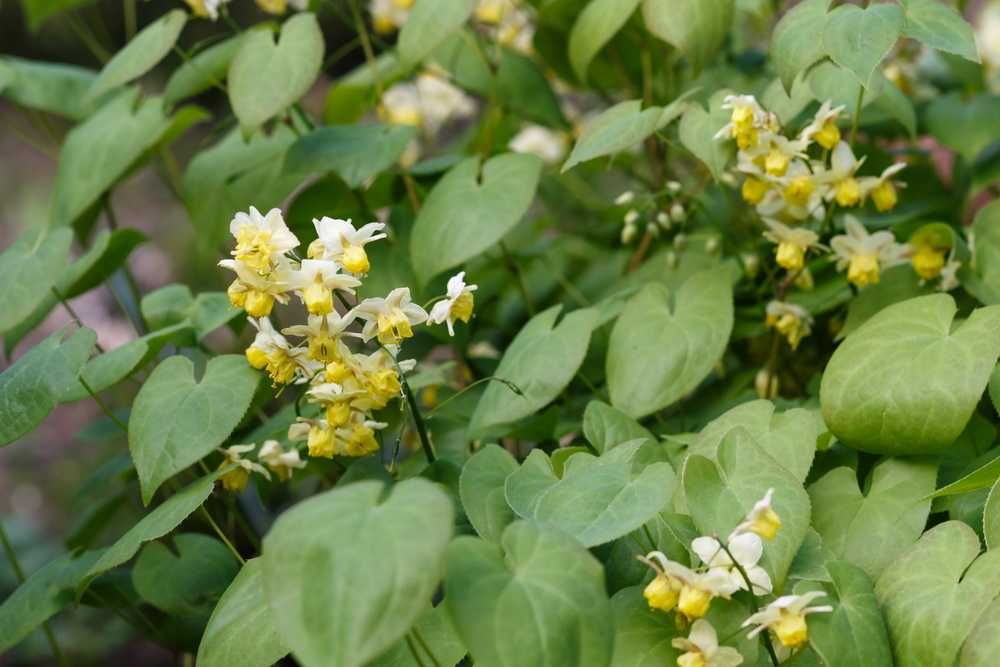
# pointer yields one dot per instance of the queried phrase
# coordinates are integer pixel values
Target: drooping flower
(823, 128)
(315, 282)
(762, 520)
(206, 9)
(457, 304)
(865, 255)
(255, 293)
(882, 189)
(790, 320)
(280, 461)
(323, 333)
(746, 549)
(391, 318)
(747, 118)
(270, 351)
(339, 241)
(844, 186)
(701, 648)
(793, 244)
(441, 101)
(678, 586)
(236, 479)
(797, 195)
(786, 618)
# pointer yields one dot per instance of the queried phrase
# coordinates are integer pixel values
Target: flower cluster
(346, 385)
(506, 21)
(725, 569)
(662, 211)
(211, 9)
(271, 454)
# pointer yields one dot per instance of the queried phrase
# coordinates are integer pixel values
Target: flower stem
(222, 535)
(753, 599)
(418, 420)
(424, 645)
(857, 114)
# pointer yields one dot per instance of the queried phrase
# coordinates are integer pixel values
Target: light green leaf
(991, 517)
(471, 208)
(983, 644)
(898, 283)
(907, 381)
(42, 595)
(966, 124)
(189, 582)
(981, 277)
(599, 21)
(894, 103)
(870, 530)
(176, 420)
(481, 488)
(141, 54)
(347, 572)
(541, 360)
(52, 87)
(353, 152)
(265, 77)
(28, 271)
(934, 594)
(719, 496)
(940, 27)
(435, 629)
(980, 478)
(994, 388)
(598, 499)
(154, 525)
(606, 427)
(664, 344)
(241, 631)
(428, 24)
(858, 39)
(853, 634)
(166, 306)
(206, 69)
(642, 636)
(538, 586)
(696, 28)
(210, 311)
(797, 41)
(30, 387)
(784, 104)
(829, 81)
(697, 132)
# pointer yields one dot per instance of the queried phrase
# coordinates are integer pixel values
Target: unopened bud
(663, 220)
(631, 217)
(766, 384)
(677, 212)
(673, 186)
(653, 230)
(680, 241)
(625, 198)
(728, 179)
(751, 264)
(712, 245)
(628, 233)
(672, 260)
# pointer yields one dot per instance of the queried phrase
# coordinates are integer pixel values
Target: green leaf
(599, 21)
(428, 24)
(907, 381)
(790, 438)
(787, 105)
(167, 516)
(166, 306)
(265, 77)
(435, 630)
(894, 103)
(347, 572)
(540, 587)
(31, 386)
(189, 582)
(210, 311)
(598, 499)
(797, 41)
(353, 152)
(829, 81)
(967, 125)
(982, 477)
(642, 636)
(606, 427)
(854, 634)
(870, 530)
(696, 28)
(523, 88)
(897, 283)
(38, 12)
(981, 277)
(241, 631)
(983, 644)
(664, 343)
(720, 495)
(858, 39)
(697, 132)
(52, 87)
(42, 595)
(940, 27)
(481, 488)
(176, 420)
(994, 388)
(934, 594)
(141, 54)
(204, 70)
(28, 271)
(471, 208)
(541, 361)
(991, 517)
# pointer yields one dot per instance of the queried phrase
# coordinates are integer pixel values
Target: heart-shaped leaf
(28, 270)
(599, 21)
(939, 26)
(934, 594)
(52, 87)
(797, 40)
(538, 586)
(241, 631)
(981, 277)
(428, 24)
(696, 28)
(347, 572)
(189, 582)
(858, 39)
(991, 517)
(471, 208)
(481, 488)
(141, 54)
(265, 77)
(907, 381)
(896, 284)
(354, 152)
(206, 69)
(698, 128)
(176, 420)
(540, 362)
(870, 530)
(721, 494)
(664, 344)
(598, 499)
(605, 427)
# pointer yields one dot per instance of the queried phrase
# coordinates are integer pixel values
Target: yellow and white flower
(676, 585)
(323, 333)
(701, 648)
(389, 16)
(255, 293)
(270, 351)
(457, 304)
(786, 618)
(400, 105)
(340, 241)
(261, 240)
(791, 321)
(549, 145)
(280, 461)
(745, 122)
(845, 188)
(746, 549)
(206, 9)
(798, 195)
(236, 479)
(823, 128)
(390, 319)
(441, 101)
(762, 520)
(882, 189)
(949, 274)
(865, 255)
(793, 244)
(315, 282)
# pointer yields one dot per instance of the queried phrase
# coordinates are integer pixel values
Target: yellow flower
(884, 196)
(236, 479)
(315, 282)
(928, 262)
(701, 648)
(361, 440)
(865, 255)
(254, 292)
(753, 190)
(792, 244)
(863, 270)
(276, 7)
(338, 414)
(762, 520)
(456, 305)
(791, 321)
(662, 592)
(786, 618)
(321, 441)
(391, 318)
(776, 162)
(848, 192)
(799, 189)
(339, 241)
(258, 304)
(256, 357)
(694, 602)
(882, 188)
(823, 128)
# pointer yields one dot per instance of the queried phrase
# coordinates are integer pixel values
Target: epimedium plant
(659, 338)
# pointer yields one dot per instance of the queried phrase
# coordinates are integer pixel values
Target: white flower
(207, 9)
(340, 241)
(280, 461)
(391, 318)
(457, 305)
(702, 644)
(988, 34)
(261, 238)
(236, 480)
(388, 15)
(786, 618)
(254, 292)
(315, 281)
(949, 274)
(441, 101)
(746, 549)
(625, 198)
(549, 145)
(400, 105)
(790, 320)
(865, 255)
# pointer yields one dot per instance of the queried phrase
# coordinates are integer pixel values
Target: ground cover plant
(554, 332)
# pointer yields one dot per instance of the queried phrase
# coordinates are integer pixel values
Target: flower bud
(625, 198)
(677, 212)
